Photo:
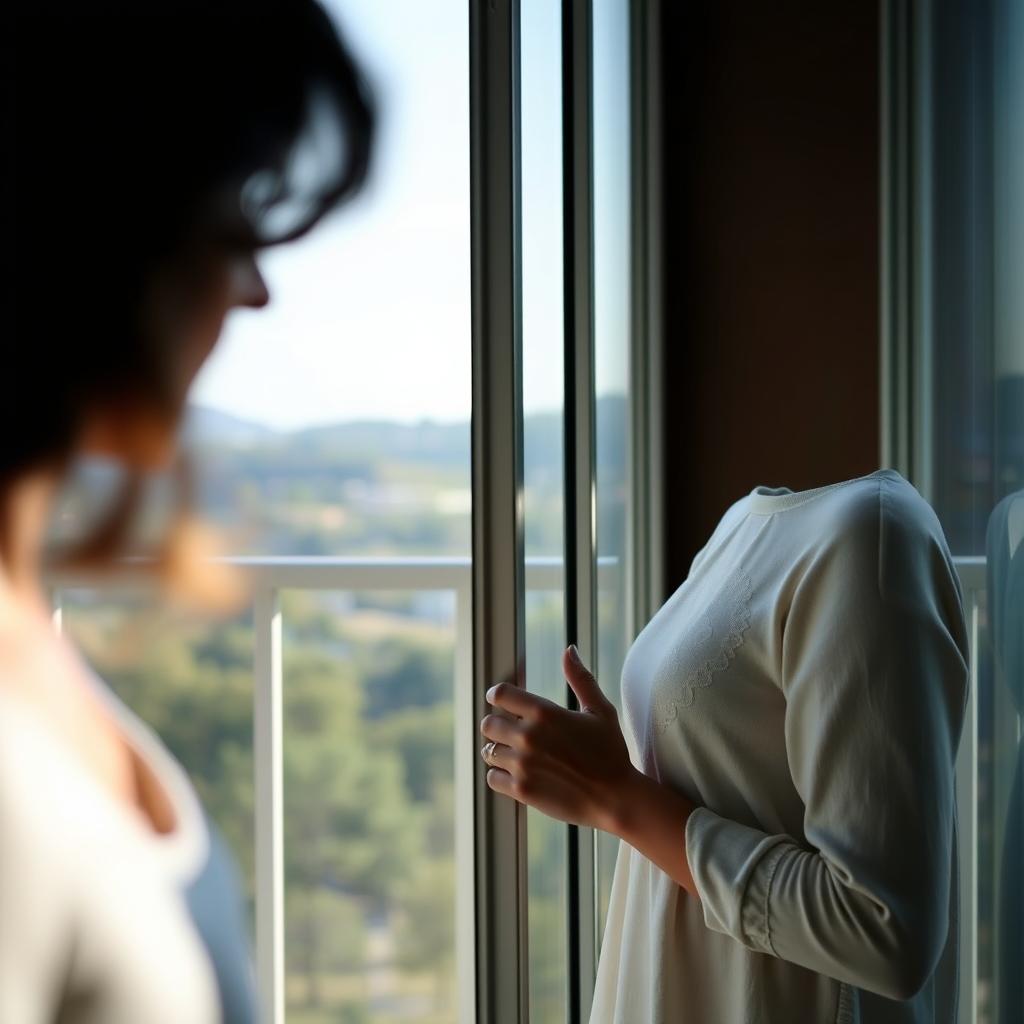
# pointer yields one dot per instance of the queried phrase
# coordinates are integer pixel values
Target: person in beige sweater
(784, 786)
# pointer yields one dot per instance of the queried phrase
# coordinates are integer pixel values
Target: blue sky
(370, 315)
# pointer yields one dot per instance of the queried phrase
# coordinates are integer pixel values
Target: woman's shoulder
(877, 509)
(881, 530)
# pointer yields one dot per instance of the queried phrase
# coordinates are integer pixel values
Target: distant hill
(206, 426)
(429, 442)
(378, 486)
(441, 444)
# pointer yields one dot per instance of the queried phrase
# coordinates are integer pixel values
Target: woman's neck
(24, 519)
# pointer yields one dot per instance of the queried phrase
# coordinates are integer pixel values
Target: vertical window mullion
(579, 461)
(905, 252)
(498, 565)
(645, 583)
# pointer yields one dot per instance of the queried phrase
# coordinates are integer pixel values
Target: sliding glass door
(557, 357)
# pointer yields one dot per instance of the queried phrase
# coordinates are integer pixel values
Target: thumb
(583, 683)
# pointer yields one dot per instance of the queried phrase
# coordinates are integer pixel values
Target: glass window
(972, 420)
(612, 337)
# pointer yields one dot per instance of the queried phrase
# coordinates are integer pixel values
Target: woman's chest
(701, 688)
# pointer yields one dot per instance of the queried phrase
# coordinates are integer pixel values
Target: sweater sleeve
(874, 673)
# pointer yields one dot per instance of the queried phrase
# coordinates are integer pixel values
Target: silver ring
(489, 751)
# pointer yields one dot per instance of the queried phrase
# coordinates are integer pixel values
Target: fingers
(520, 702)
(508, 741)
(501, 730)
(531, 707)
(501, 782)
(583, 683)
(502, 756)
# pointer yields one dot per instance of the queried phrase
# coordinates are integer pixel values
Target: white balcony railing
(269, 576)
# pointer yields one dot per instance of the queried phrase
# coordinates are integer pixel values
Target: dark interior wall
(771, 224)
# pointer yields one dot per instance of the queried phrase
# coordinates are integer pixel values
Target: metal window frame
(906, 224)
(502, 982)
(580, 469)
(497, 472)
(645, 579)
(646, 530)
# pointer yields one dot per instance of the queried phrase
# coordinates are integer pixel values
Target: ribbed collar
(765, 501)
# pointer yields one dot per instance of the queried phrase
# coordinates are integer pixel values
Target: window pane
(976, 320)
(336, 420)
(612, 209)
(543, 383)
(376, 311)
(1001, 711)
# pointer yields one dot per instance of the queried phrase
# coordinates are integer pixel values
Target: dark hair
(123, 122)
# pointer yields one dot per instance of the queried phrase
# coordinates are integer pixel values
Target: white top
(94, 928)
(805, 687)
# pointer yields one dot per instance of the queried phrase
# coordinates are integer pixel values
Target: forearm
(652, 818)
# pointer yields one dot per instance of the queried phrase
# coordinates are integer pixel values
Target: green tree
(401, 674)
(426, 932)
(348, 824)
(423, 738)
(325, 933)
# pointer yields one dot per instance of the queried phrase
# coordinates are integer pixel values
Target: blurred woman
(151, 151)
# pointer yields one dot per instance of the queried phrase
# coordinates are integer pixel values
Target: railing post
(967, 820)
(972, 573)
(269, 784)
